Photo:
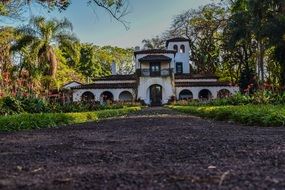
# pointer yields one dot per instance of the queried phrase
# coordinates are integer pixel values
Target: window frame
(181, 70)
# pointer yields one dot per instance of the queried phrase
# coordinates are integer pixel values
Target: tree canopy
(236, 40)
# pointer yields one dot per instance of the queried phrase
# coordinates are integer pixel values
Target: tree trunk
(282, 77)
(53, 62)
(261, 61)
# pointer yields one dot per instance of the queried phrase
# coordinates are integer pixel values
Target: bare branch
(118, 12)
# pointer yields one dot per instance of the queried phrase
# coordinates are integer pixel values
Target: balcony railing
(149, 73)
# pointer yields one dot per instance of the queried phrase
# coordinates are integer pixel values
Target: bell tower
(182, 57)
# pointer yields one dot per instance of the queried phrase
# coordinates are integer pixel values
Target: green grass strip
(261, 115)
(48, 120)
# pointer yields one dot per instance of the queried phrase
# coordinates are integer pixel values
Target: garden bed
(261, 115)
(48, 120)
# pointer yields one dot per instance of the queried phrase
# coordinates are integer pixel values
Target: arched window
(182, 49)
(175, 47)
(185, 95)
(224, 93)
(87, 96)
(205, 94)
(126, 96)
(107, 96)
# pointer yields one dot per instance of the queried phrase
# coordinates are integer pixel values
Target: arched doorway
(205, 94)
(224, 93)
(155, 95)
(126, 96)
(185, 95)
(87, 97)
(107, 96)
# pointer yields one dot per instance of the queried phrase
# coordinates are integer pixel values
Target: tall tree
(41, 36)
(203, 27)
(7, 36)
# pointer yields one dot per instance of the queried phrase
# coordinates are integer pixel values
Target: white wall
(146, 82)
(214, 90)
(181, 57)
(144, 91)
(97, 92)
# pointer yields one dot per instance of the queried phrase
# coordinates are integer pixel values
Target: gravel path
(153, 149)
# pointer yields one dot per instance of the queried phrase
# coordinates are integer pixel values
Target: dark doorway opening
(107, 96)
(87, 97)
(156, 95)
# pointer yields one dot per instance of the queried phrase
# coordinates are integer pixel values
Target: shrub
(10, 105)
(263, 115)
(34, 105)
(37, 121)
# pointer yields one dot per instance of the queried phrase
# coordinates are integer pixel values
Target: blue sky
(147, 18)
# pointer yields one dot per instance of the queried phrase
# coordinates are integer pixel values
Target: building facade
(161, 76)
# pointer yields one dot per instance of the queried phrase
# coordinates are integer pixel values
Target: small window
(175, 47)
(179, 68)
(182, 49)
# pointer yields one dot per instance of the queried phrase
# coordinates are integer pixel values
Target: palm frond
(63, 24)
(23, 42)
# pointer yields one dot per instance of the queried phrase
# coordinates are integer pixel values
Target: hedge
(262, 115)
(48, 120)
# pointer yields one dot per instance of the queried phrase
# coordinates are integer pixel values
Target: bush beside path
(47, 120)
(260, 115)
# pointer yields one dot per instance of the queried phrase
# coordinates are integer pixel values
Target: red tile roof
(155, 51)
(107, 86)
(201, 84)
(117, 77)
(179, 39)
(190, 76)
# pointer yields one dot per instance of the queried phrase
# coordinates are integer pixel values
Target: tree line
(242, 41)
(45, 54)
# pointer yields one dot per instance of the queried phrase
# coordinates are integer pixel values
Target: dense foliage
(262, 97)
(241, 41)
(16, 105)
(37, 121)
(45, 55)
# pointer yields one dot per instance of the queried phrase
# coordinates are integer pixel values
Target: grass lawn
(261, 115)
(47, 120)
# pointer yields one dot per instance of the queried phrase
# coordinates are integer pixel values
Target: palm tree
(7, 36)
(153, 43)
(41, 37)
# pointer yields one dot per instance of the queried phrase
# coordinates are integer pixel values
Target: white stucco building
(161, 75)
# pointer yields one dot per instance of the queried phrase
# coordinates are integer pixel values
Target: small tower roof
(155, 51)
(179, 39)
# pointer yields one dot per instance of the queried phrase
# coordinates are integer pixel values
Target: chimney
(114, 68)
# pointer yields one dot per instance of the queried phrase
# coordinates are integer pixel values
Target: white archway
(205, 94)
(126, 96)
(87, 96)
(224, 93)
(185, 95)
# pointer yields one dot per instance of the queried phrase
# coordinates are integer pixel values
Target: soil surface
(153, 149)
